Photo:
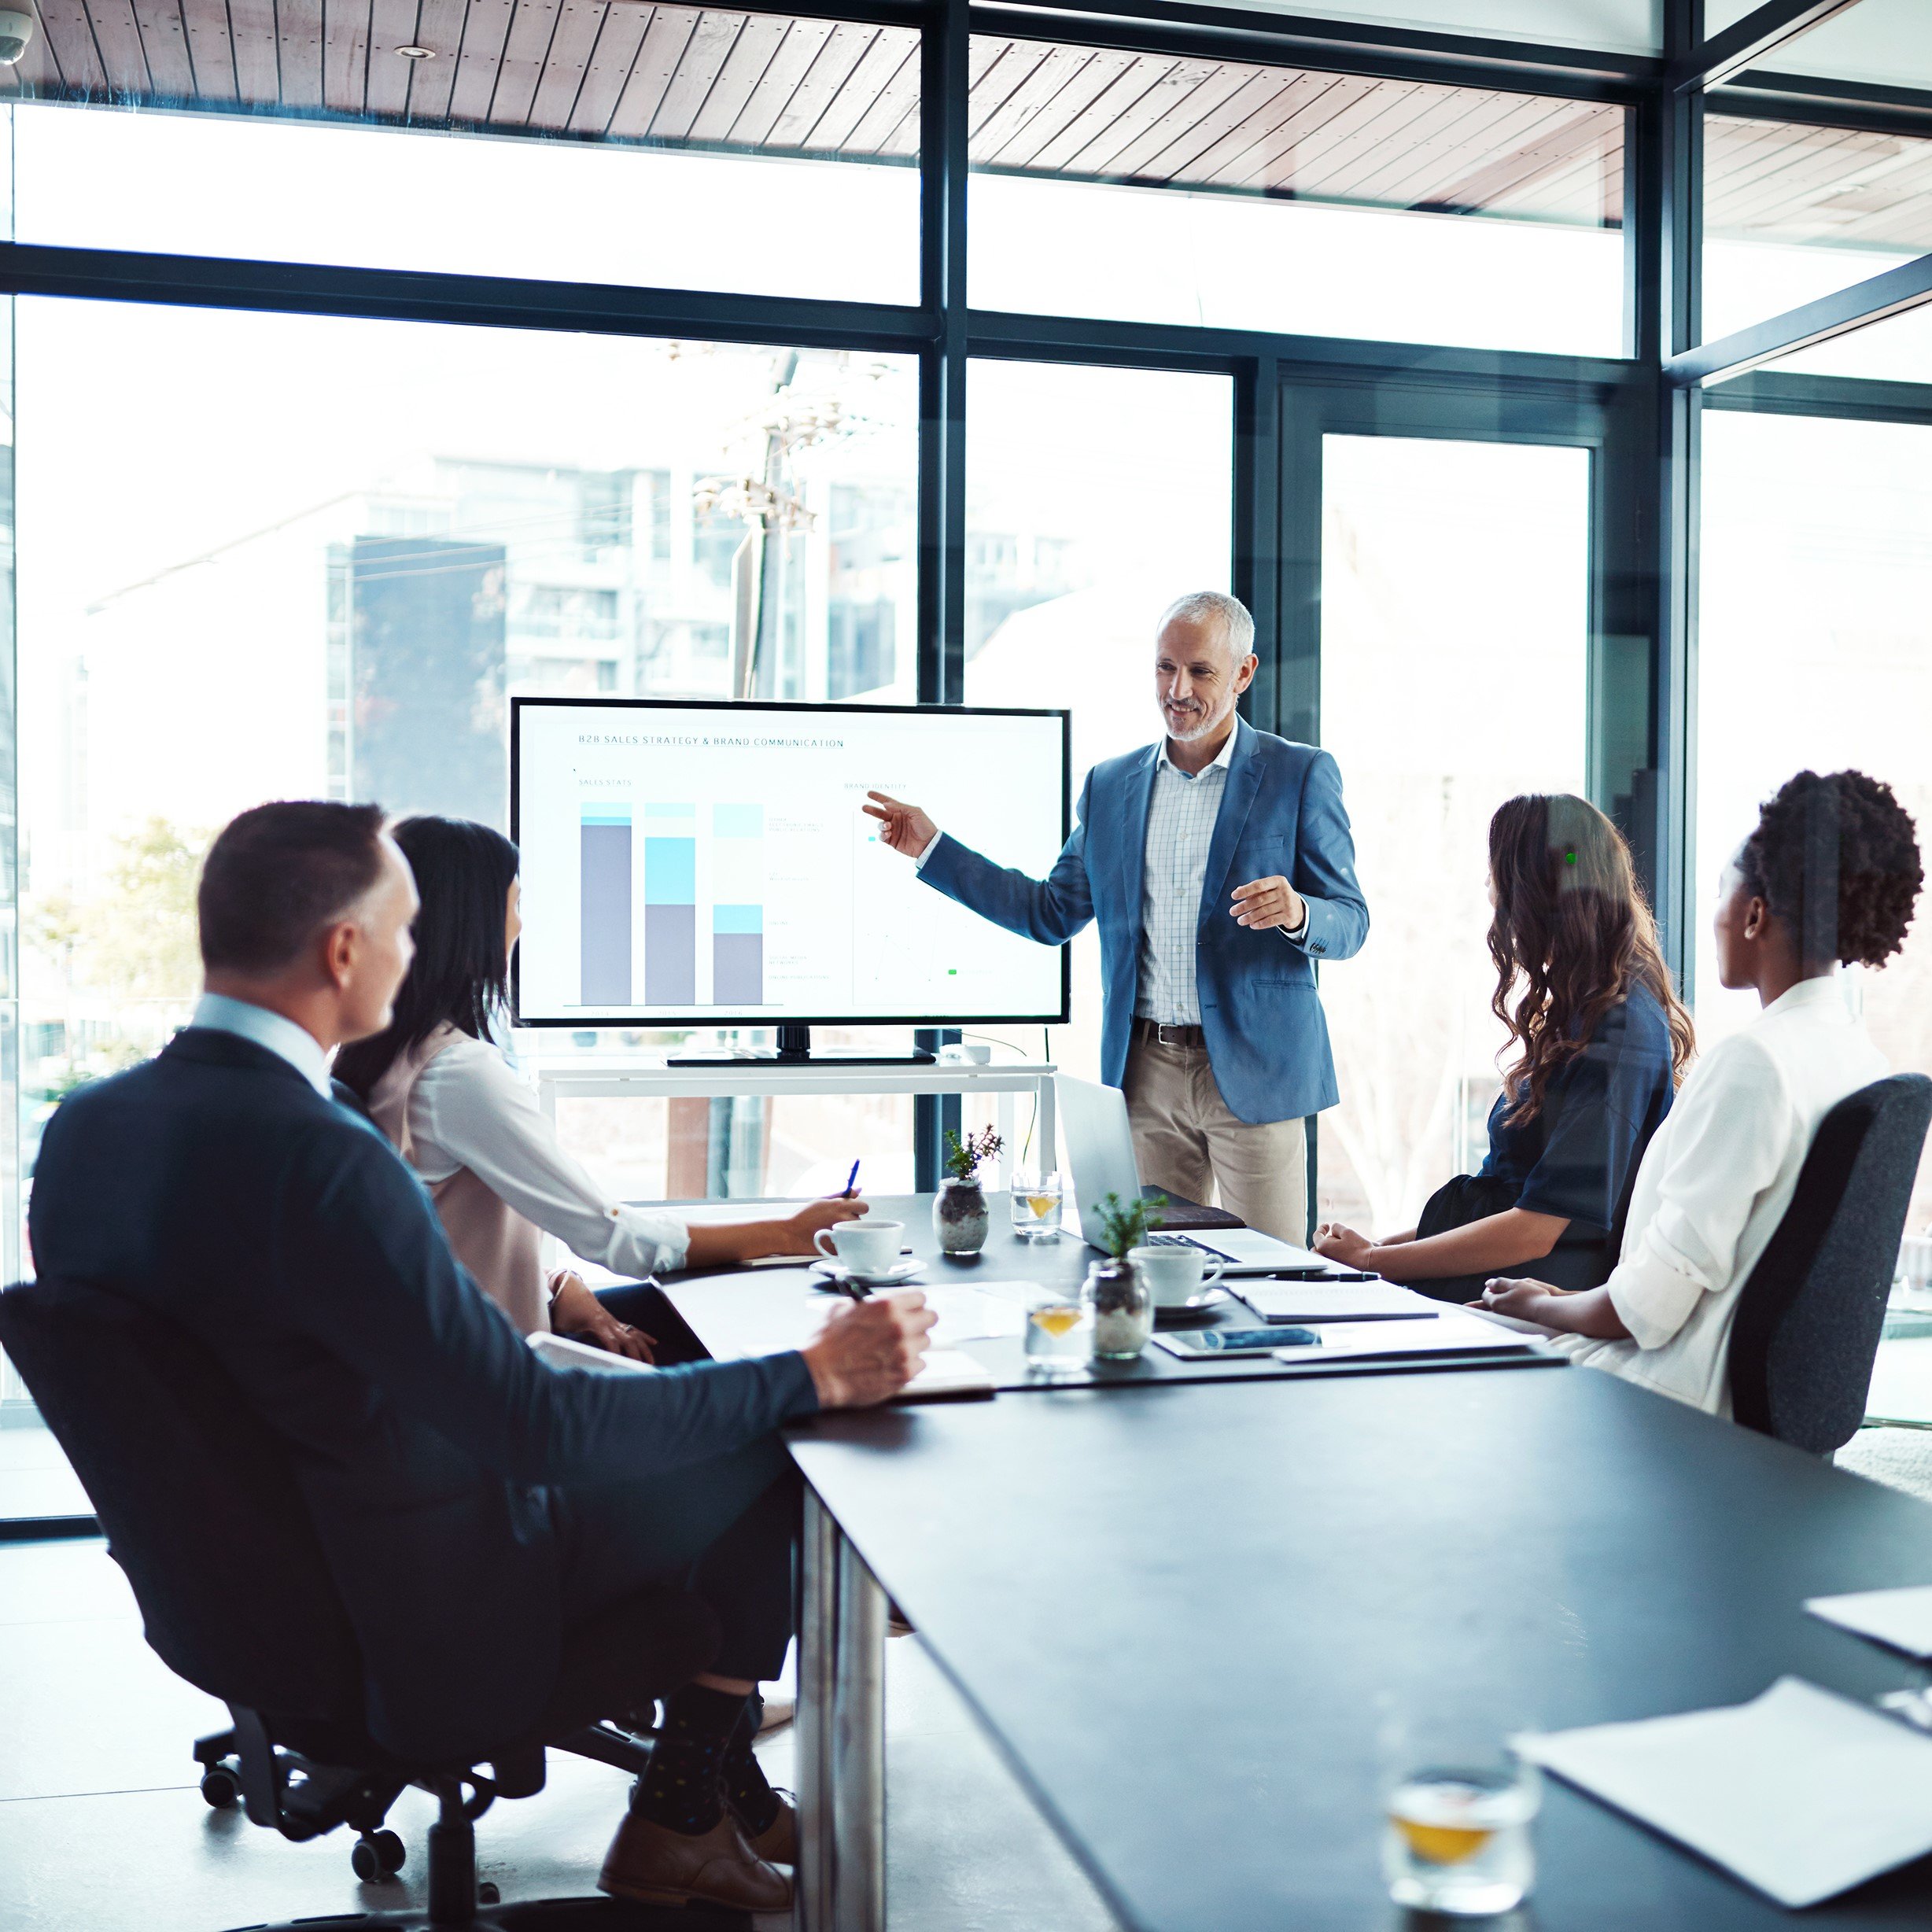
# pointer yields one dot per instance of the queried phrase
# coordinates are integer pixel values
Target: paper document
(1800, 1793)
(1446, 1332)
(1901, 1620)
(970, 1315)
(1338, 1301)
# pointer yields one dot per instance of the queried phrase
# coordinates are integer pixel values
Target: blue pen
(851, 1179)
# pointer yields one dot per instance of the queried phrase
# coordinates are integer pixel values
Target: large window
(1792, 212)
(1816, 650)
(318, 558)
(1227, 195)
(1095, 497)
(670, 147)
(1455, 648)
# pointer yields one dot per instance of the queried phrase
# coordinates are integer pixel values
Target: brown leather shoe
(778, 1843)
(657, 1866)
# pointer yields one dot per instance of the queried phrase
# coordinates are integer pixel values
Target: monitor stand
(795, 1050)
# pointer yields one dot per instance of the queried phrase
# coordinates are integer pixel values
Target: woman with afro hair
(1829, 878)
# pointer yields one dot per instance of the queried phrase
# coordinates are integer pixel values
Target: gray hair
(1237, 625)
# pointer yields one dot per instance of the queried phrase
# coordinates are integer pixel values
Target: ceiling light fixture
(417, 54)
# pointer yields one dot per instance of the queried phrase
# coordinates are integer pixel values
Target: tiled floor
(103, 1829)
(34, 1479)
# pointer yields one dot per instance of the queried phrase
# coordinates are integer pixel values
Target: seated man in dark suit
(474, 1506)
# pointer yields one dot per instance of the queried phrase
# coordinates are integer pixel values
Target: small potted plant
(1119, 1294)
(958, 1212)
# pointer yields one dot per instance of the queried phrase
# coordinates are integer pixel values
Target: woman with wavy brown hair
(1600, 1041)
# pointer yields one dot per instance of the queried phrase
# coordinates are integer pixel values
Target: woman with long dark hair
(1600, 1041)
(436, 1082)
(1829, 876)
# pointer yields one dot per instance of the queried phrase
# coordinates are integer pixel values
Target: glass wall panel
(1885, 43)
(1792, 212)
(1095, 497)
(1815, 650)
(1898, 349)
(1454, 653)
(1619, 26)
(673, 147)
(318, 559)
(1153, 189)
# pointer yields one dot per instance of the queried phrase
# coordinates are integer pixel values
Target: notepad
(947, 1375)
(1800, 1793)
(558, 1351)
(1901, 1620)
(1337, 1301)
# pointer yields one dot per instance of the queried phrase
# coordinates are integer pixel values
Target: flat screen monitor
(708, 865)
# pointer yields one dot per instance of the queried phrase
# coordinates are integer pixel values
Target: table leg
(1044, 1131)
(817, 1671)
(858, 1749)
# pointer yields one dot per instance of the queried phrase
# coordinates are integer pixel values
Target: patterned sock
(681, 1786)
(754, 1803)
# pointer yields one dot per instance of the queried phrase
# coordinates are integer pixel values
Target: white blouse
(467, 1109)
(1714, 1184)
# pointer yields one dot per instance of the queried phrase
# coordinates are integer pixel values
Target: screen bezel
(714, 1020)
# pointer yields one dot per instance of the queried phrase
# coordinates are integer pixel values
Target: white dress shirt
(283, 1038)
(467, 1109)
(1714, 1184)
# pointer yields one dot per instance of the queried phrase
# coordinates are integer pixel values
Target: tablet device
(1198, 1344)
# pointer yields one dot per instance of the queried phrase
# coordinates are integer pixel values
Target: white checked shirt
(1179, 826)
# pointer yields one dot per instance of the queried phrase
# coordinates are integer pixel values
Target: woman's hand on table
(1335, 1241)
(1527, 1301)
(576, 1312)
(801, 1227)
(868, 1351)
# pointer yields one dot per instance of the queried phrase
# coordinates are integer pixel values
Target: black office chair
(1808, 1321)
(201, 1510)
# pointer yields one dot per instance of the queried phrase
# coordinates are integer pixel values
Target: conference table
(1183, 1612)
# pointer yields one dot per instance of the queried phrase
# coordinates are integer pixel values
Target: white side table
(587, 1076)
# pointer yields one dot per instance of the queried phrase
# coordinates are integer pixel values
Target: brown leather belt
(1155, 1033)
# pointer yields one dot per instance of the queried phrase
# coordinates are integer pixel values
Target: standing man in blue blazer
(1220, 866)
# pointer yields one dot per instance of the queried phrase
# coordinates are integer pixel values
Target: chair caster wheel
(377, 1854)
(488, 1894)
(219, 1788)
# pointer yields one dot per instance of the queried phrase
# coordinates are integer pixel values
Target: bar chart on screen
(688, 861)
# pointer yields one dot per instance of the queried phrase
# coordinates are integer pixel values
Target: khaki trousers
(1188, 1143)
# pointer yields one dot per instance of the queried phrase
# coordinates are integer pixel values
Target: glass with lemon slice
(1036, 1206)
(1457, 1839)
(1058, 1335)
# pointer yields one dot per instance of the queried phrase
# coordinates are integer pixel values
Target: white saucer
(836, 1273)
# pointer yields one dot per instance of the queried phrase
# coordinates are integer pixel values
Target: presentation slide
(710, 864)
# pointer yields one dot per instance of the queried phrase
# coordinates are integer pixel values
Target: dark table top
(1175, 1608)
(766, 1309)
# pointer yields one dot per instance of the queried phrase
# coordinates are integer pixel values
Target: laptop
(1098, 1148)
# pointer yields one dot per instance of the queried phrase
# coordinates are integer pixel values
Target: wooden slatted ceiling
(1771, 181)
(624, 70)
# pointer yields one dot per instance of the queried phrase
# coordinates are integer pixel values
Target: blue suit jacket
(215, 1186)
(1281, 813)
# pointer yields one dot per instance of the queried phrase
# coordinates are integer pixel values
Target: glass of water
(1457, 1836)
(1058, 1334)
(1036, 1206)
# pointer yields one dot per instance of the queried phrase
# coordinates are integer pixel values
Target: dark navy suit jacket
(216, 1187)
(1281, 815)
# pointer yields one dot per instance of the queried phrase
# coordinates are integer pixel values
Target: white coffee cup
(1915, 1262)
(1174, 1275)
(870, 1249)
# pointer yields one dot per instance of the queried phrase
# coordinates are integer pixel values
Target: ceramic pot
(960, 1219)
